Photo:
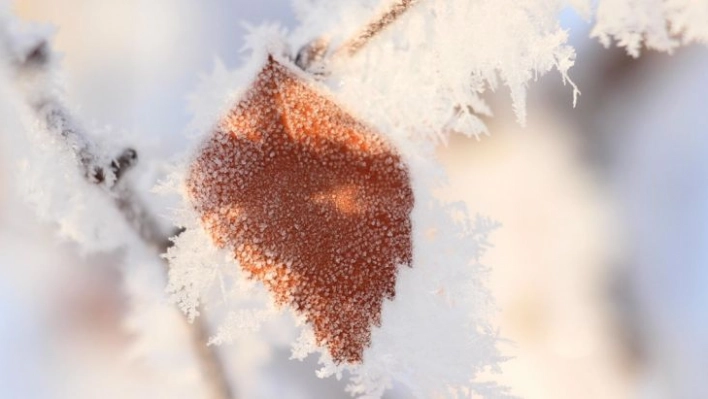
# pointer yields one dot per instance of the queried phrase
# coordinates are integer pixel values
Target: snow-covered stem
(361, 38)
(107, 173)
(57, 119)
(317, 51)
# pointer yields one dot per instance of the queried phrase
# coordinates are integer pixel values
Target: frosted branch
(360, 39)
(31, 58)
(314, 53)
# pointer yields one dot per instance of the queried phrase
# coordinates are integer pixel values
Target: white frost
(662, 25)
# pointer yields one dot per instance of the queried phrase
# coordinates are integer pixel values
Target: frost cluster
(657, 24)
(426, 74)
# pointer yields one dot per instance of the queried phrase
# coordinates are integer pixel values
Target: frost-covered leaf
(268, 152)
(311, 202)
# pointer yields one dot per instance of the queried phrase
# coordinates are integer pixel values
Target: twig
(361, 38)
(316, 51)
(108, 174)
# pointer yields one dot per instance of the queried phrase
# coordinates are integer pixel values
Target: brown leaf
(313, 203)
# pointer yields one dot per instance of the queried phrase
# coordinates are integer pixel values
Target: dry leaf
(313, 203)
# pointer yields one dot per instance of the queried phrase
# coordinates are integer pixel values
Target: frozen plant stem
(108, 175)
(316, 51)
(359, 40)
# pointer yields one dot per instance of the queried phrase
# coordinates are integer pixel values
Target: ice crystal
(312, 203)
(426, 75)
(659, 24)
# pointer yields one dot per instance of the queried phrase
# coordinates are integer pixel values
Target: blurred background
(600, 270)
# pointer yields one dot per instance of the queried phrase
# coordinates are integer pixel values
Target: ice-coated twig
(362, 37)
(35, 58)
(106, 173)
(316, 51)
(99, 171)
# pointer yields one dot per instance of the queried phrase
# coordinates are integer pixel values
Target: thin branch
(361, 38)
(96, 170)
(311, 56)
(108, 174)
